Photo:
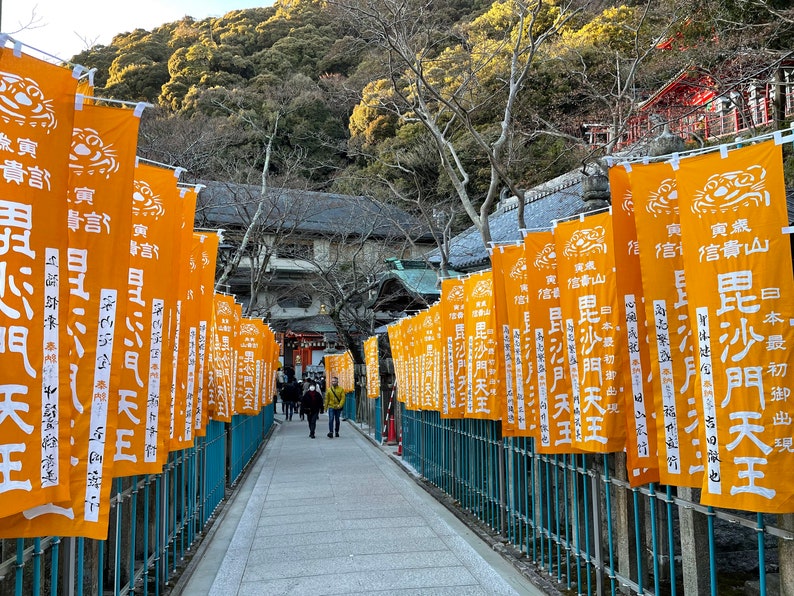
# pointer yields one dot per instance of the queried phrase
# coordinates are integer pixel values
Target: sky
(62, 25)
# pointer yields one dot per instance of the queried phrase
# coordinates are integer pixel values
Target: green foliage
(342, 56)
(335, 98)
(613, 30)
(370, 123)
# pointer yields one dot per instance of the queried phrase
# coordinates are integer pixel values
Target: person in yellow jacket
(334, 402)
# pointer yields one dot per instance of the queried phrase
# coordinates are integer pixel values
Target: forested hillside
(347, 94)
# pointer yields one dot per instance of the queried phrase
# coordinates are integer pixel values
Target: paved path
(337, 516)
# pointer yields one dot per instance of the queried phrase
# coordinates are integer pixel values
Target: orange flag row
(657, 328)
(108, 346)
(342, 367)
(371, 361)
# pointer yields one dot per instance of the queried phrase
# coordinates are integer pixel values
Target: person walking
(291, 395)
(334, 402)
(312, 407)
(281, 380)
(303, 387)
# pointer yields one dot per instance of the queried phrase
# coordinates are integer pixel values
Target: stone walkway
(338, 516)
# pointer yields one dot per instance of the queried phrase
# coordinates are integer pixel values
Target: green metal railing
(155, 522)
(349, 411)
(581, 524)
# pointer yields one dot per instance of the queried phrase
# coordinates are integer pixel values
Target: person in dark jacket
(312, 406)
(291, 395)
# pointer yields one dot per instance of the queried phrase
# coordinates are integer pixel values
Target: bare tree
(448, 81)
(33, 21)
(399, 179)
(256, 227)
(350, 267)
(196, 143)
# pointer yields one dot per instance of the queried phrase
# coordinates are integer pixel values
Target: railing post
(68, 565)
(624, 526)
(595, 491)
(694, 531)
(421, 434)
(786, 555)
(162, 547)
(502, 482)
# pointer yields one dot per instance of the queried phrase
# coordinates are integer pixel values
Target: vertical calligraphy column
(211, 360)
(641, 453)
(37, 117)
(454, 340)
(396, 346)
(554, 406)
(141, 431)
(263, 364)
(504, 338)
(270, 365)
(588, 297)
(674, 375)
(183, 329)
(428, 399)
(237, 319)
(204, 254)
(248, 355)
(373, 370)
(433, 345)
(407, 361)
(518, 338)
(412, 344)
(741, 295)
(485, 367)
(423, 352)
(223, 339)
(347, 378)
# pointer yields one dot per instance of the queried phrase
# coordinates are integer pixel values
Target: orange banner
(588, 298)
(184, 330)
(417, 331)
(512, 312)
(454, 339)
(412, 346)
(37, 116)
(143, 418)
(237, 321)
(554, 406)
(672, 359)
(248, 367)
(503, 337)
(429, 359)
(340, 366)
(263, 365)
(223, 354)
(373, 369)
(641, 454)
(485, 369)
(270, 365)
(101, 163)
(203, 257)
(741, 299)
(398, 357)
